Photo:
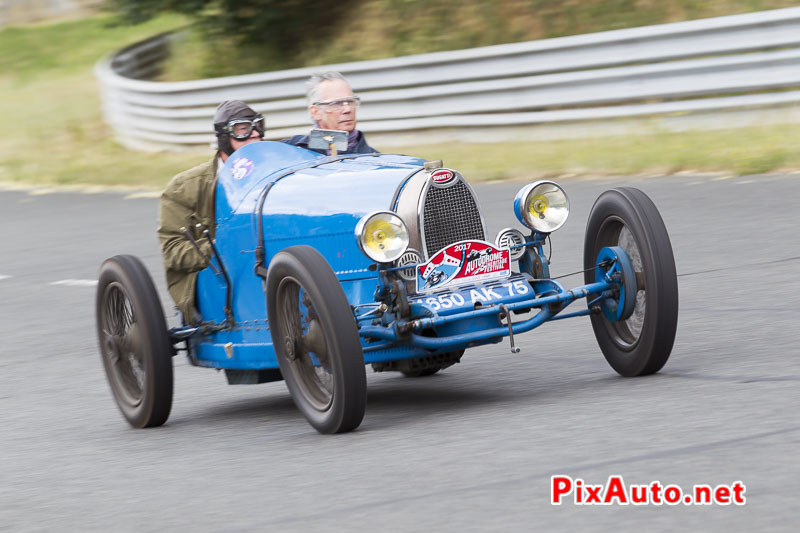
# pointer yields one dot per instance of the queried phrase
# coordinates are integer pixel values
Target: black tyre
(134, 343)
(642, 343)
(316, 340)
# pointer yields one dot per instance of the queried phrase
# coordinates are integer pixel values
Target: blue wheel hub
(615, 267)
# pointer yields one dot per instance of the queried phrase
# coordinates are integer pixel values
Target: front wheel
(316, 340)
(134, 342)
(641, 341)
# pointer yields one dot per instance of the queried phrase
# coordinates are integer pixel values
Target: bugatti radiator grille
(450, 215)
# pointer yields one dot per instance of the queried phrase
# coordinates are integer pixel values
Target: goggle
(339, 103)
(242, 128)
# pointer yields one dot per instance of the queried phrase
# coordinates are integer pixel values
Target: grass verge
(740, 151)
(49, 101)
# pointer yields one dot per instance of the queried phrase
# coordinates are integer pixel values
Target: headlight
(543, 206)
(382, 236)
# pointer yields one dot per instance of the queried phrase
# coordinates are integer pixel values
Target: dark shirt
(359, 147)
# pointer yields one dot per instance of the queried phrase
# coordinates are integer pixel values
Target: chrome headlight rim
(521, 200)
(393, 255)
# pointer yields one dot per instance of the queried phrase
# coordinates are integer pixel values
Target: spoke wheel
(316, 340)
(641, 343)
(134, 343)
(306, 349)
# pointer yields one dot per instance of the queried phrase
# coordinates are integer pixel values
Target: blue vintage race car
(323, 264)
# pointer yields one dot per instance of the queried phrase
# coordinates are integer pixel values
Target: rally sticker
(463, 262)
(241, 168)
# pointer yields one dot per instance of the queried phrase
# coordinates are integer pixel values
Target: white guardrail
(726, 63)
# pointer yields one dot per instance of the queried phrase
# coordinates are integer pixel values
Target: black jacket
(361, 146)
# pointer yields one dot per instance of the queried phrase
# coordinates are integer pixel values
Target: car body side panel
(322, 211)
(250, 340)
(313, 201)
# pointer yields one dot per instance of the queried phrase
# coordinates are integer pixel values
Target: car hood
(290, 195)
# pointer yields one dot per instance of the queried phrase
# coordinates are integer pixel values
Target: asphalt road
(469, 449)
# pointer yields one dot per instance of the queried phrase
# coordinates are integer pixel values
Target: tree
(279, 24)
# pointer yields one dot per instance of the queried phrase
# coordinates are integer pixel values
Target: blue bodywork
(272, 195)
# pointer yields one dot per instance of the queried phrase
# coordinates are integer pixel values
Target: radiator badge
(443, 177)
(463, 262)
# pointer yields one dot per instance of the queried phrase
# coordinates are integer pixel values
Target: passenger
(188, 201)
(332, 106)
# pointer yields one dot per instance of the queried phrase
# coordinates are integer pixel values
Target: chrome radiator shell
(437, 216)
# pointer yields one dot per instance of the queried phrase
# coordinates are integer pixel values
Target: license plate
(467, 297)
(461, 263)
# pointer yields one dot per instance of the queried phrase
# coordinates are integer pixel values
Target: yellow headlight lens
(378, 235)
(382, 236)
(537, 205)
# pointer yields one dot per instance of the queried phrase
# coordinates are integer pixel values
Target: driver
(332, 106)
(188, 202)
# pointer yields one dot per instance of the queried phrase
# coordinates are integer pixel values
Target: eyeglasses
(339, 103)
(242, 128)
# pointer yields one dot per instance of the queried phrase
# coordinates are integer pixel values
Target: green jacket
(187, 201)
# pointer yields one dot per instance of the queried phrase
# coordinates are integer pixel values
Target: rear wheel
(134, 342)
(316, 340)
(642, 342)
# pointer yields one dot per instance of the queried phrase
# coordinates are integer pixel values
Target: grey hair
(313, 83)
